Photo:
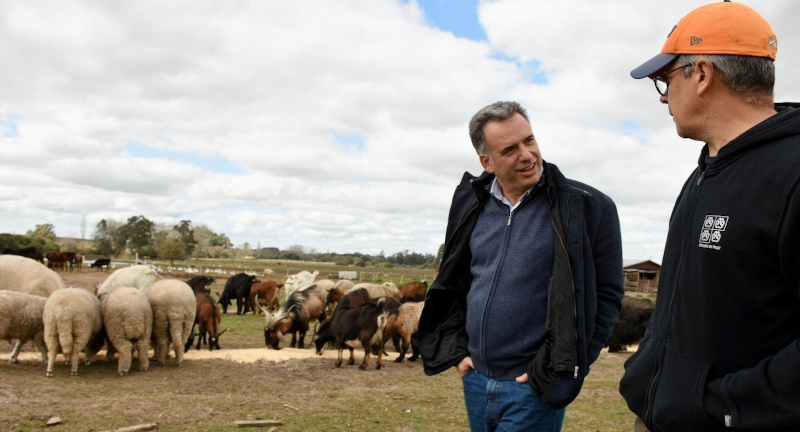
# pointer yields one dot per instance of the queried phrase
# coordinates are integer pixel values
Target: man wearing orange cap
(722, 351)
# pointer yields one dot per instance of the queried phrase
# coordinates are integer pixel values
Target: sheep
(376, 291)
(268, 273)
(21, 319)
(139, 276)
(174, 309)
(298, 281)
(128, 320)
(28, 276)
(405, 324)
(72, 322)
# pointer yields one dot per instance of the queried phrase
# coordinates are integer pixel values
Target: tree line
(139, 235)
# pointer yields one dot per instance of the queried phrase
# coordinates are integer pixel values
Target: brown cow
(56, 260)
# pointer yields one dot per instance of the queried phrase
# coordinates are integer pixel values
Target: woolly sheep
(383, 290)
(21, 319)
(128, 320)
(28, 276)
(299, 281)
(268, 273)
(72, 323)
(174, 308)
(138, 276)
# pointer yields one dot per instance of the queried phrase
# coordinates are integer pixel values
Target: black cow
(100, 262)
(28, 252)
(237, 287)
(633, 320)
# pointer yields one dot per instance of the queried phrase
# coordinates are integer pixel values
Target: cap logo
(695, 40)
(773, 42)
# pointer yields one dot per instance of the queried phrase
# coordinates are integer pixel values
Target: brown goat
(302, 307)
(405, 324)
(209, 315)
(267, 293)
(413, 291)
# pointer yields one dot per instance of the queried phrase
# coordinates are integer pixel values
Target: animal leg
(366, 357)
(294, 340)
(74, 360)
(144, 360)
(339, 359)
(352, 360)
(125, 355)
(51, 359)
(301, 340)
(15, 351)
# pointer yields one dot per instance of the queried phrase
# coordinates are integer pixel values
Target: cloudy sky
(339, 125)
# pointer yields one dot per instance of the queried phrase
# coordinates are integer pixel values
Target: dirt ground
(209, 391)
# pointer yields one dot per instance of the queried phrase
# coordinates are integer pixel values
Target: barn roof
(639, 264)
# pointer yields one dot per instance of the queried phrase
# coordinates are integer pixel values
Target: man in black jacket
(530, 283)
(722, 351)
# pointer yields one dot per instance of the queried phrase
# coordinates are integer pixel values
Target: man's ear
(704, 75)
(486, 163)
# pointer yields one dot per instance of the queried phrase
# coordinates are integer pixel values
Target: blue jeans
(494, 405)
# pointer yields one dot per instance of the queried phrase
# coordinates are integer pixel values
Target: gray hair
(751, 77)
(497, 111)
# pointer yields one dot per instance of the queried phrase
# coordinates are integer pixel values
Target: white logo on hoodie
(711, 233)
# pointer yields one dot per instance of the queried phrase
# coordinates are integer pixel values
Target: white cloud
(269, 85)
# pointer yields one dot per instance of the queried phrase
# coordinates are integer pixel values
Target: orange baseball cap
(718, 28)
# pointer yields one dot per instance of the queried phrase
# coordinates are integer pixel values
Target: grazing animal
(364, 323)
(297, 312)
(332, 300)
(79, 261)
(27, 252)
(238, 288)
(174, 308)
(413, 291)
(632, 322)
(72, 323)
(299, 281)
(267, 294)
(138, 276)
(350, 300)
(26, 275)
(21, 318)
(128, 320)
(405, 324)
(56, 260)
(100, 263)
(376, 291)
(268, 273)
(200, 283)
(209, 316)
(70, 260)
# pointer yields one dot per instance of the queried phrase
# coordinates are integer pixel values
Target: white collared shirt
(497, 192)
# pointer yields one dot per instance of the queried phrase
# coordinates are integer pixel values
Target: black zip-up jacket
(584, 293)
(723, 348)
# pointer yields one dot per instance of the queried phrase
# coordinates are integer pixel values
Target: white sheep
(375, 290)
(72, 323)
(138, 276)
(174, 308)
(128, 320)
(29, 276)
(268, 273)
(298, 281)
(21, 319)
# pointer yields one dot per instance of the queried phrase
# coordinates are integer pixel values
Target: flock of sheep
(35, 305)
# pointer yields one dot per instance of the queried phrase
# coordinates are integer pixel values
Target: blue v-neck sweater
(512, 260)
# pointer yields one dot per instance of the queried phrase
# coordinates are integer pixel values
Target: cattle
(267, 293)
(200, 283)
(297, 312)
(413, 291)
(208, 318)
(70, 260)
(100, 263)
(27, 252)
(632, 322)
(405, 325)
(56, 260)
(79, 261)
(364, 323)
(238, 288)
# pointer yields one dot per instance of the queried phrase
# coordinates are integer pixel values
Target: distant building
(641, 275)
(348, 275)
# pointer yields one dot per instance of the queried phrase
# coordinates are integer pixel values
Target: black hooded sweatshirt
(723, 348)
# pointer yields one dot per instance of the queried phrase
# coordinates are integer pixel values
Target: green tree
(186, 233)
(438, 260)
(172, 249)
(138, 232)
(46, 232)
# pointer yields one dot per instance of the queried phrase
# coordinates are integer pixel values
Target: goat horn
(223, 331)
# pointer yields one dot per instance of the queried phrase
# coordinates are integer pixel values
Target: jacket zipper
(653, 386)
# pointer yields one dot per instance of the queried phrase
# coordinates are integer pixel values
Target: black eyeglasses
(662, 85)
